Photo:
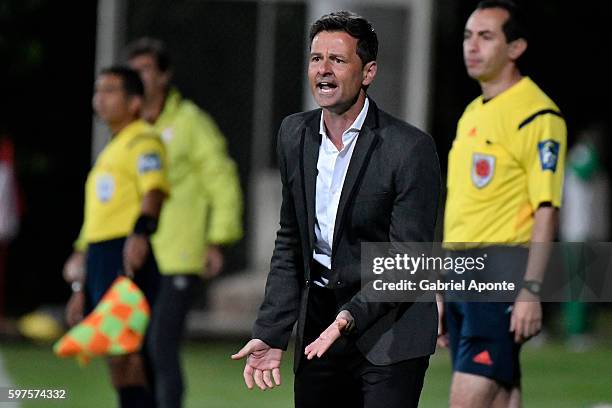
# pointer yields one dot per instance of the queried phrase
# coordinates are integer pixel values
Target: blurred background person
(124, 193)
(203, 213)
(9, 215)
(585, 217)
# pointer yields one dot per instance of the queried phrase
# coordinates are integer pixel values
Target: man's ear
(135, 105)
(166, 78)
(368, 73)
(517, 48)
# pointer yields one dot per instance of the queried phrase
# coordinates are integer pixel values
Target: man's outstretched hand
(262, 365)
(343, 322)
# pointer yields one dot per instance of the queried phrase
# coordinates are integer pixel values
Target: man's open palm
(329, 335)
(262, 365)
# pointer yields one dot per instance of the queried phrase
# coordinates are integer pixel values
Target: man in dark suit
(351, 174)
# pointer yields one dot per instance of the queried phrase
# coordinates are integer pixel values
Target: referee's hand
(135, 252)
(526, 319)
(442, 334)
(74, 268)
(75, 308)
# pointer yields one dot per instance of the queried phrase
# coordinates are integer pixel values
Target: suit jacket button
(339, 283)
(307, 282)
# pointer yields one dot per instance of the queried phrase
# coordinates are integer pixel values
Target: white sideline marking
(5, 381)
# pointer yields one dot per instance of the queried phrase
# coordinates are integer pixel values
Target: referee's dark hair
(354, 25)
(150, 46)
(514, 28)
(132, 84)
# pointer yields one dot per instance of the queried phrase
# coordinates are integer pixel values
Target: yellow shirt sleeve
(543, 158)
(149, 159)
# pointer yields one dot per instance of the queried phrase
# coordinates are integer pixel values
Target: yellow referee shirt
(132, 164)
(507, 158)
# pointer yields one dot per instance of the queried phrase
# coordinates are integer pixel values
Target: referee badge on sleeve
(483, 169)
(549, 153)
(149, 162)
(105, 187)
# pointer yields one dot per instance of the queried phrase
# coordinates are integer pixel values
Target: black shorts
(480, 341)
(479, 331)
(105, 263)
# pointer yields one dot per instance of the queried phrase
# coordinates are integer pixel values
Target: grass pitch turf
(552, 378)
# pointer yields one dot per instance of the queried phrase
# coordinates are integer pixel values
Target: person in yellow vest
(124, 193)
(203, 213)
(504, 185)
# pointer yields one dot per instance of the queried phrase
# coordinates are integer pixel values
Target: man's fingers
(243, 352)
(128, 270)
(248, 376)
(267, 377)
(258, 376)
(534, 327)
(317, 348)
(526, 328)
(276, 375)
(518, 331)
(307, 349)
(442, 340)
(311, 349)
(325, 340)
(322, 349)
(514, 327)
(522, 332)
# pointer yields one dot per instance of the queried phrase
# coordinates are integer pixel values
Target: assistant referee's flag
(116, 326)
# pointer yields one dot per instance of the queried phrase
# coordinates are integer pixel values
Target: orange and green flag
(116, 326)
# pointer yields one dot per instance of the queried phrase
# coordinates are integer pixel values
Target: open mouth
(325, 86)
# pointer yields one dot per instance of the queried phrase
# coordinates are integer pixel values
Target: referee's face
(110, 101)
(485, 51)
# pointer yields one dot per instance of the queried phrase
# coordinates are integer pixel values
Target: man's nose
(325, 67)
(471, 44)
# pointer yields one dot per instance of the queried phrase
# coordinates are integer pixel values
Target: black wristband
(146, 225)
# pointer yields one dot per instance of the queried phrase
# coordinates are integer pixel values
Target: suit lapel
(310, 149)
(359, 160)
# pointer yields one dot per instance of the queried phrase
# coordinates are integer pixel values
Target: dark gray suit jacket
(390, 194)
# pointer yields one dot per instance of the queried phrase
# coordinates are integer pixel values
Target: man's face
(110, 101)
(335, 71)
(485, 50)
(154, 80)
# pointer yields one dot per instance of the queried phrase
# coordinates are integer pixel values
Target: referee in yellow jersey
(203, 214)
(505, 175)
(123, 197)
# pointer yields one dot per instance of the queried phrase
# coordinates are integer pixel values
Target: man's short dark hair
(354, 25)
(514, 28)
(132, 84)
(150, 46)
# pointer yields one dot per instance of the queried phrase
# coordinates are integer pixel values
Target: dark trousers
(174, 300)
(343, 377)
(104, 263)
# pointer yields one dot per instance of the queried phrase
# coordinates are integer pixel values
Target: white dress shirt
(332, 166)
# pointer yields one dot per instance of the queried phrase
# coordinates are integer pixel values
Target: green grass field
(552, 378)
